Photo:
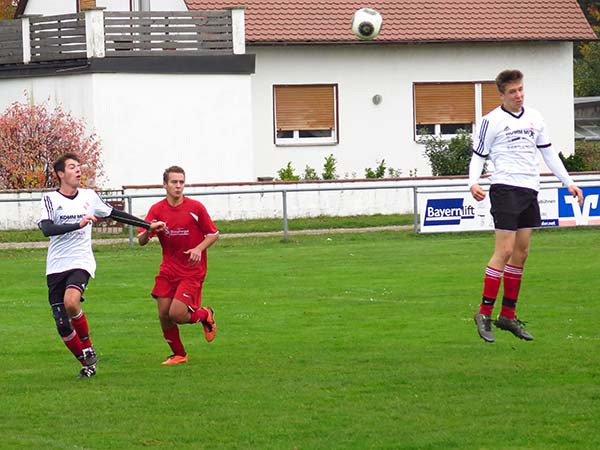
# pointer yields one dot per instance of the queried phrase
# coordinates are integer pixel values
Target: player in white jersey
(511, 136)
(66, 216)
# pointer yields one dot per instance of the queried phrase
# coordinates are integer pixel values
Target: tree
(32, 138)
(586, 72)
(7, 9)
(590, 9)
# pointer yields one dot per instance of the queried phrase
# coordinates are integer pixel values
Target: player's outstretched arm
(49, 228)
(128, 219)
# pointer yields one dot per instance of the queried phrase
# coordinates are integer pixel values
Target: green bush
(586, 157)
(589, 151)
(287, 173)
(329, 168)
(310, 174)
(379, 171)
(448, 157)
(573, 162)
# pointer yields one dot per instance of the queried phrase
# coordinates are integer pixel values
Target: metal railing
(460, 186)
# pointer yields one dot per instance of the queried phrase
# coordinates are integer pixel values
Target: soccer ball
(366, 23)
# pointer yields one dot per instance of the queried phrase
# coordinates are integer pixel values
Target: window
(305, 114)
(444, 108)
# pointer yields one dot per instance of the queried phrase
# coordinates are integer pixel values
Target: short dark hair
(508, 76)
(59, 164)
(172, 169)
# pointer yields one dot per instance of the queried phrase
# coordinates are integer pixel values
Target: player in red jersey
(188, 231)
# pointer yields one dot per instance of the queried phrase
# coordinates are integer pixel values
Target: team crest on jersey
(194, 216)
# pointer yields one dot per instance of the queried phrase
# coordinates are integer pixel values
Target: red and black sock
(80, 324)
(172, 337)
(512, 284)
(74, 344)
(491, 286)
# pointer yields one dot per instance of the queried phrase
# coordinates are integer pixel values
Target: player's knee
(164, 316)
(61, 317)
(178, 317)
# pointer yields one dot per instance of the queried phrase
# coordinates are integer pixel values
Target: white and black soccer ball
(366, 23)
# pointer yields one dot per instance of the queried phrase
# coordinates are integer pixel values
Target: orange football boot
(175, 359)
(209, 325)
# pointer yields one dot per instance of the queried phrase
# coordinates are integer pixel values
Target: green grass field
(249, 226)
(329, 341)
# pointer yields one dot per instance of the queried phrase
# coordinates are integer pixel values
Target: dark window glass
(452, 128)
(314, 133)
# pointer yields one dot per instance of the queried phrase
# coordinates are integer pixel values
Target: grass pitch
(329, 341)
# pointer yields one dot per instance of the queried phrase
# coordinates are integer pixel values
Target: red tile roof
(311, 21)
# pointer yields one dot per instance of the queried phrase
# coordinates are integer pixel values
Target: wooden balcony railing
(97, 33)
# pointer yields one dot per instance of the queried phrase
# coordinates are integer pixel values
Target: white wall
(151, 121)
(369, 133)
(167, 5)
(147, 122)
(50, 7)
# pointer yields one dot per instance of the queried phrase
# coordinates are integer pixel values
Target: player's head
(174, 182)
(68, 169)
(172, 169)
(510, 86)
(508, 77)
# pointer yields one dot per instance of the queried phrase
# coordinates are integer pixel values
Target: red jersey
(188, 224)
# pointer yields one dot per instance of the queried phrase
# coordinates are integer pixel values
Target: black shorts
(514, 207)
(59, 282)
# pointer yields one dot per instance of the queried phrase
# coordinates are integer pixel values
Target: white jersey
(512, 141)
(72, 250)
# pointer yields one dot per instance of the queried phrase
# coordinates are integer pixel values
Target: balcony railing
(97, 33)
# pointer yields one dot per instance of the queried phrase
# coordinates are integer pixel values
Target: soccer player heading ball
(186, 231)
(511, 135)
(66, 217)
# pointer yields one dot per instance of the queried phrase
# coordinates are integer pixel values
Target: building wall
(369, 133)
(147, 122)
(50, 7)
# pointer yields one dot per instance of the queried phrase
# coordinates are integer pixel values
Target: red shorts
(186, 290)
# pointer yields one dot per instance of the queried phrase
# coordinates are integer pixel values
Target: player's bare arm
(195, 254)
(575, 191)
(477, 192)
(155, 227)
(87, 219)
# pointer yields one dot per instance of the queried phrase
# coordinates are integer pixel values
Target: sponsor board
(452, 211)
(459, 211)
(571, 214)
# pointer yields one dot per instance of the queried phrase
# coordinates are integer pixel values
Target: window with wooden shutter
(444, 108)
(490, 97)
(450, 103)
(305, 114)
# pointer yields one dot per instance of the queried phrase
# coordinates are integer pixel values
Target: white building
(360, 101)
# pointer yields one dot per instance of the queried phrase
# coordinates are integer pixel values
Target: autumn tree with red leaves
(7, 9)
(32, 138)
